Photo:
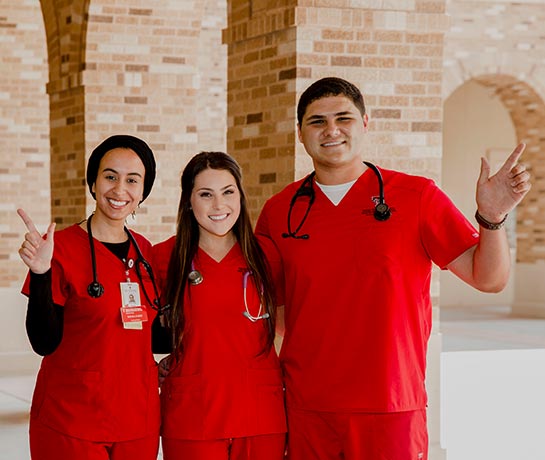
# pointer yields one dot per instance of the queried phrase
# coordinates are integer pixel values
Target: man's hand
(498, 195)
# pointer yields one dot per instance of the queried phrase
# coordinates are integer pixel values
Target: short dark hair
(123, 141)
(329, 86)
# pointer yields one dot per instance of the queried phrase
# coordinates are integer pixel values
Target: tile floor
(463, 329)
(489, 328)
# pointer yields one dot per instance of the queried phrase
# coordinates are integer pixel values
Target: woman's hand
(36, 252)
(164, 368)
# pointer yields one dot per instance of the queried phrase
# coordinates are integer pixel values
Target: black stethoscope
(382, 210)
(96, 289)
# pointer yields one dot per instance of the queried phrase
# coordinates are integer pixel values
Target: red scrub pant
(48, 444)
(336, 436)
(264, 447)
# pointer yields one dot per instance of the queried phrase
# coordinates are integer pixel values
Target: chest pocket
(378, 245)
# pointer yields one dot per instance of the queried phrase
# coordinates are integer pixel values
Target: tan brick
(426, 126)
(346, 61)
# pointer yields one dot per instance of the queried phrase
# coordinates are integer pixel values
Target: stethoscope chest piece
(95, 289)
(195, 277)
(382, 212)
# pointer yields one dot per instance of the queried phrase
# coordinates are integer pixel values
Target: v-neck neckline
(226, 257)
(346, 197)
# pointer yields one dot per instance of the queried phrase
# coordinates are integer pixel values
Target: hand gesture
(164, 368)
(501, 193)
(36, 252)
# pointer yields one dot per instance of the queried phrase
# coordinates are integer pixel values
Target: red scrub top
(100, 384)
(357, 291)
(222, 385)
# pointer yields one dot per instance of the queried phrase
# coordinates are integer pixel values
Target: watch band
(489, 225)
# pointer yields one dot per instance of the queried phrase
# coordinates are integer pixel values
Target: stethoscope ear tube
(195, 278)
(95, 289)
(382, 210)
(305, 189)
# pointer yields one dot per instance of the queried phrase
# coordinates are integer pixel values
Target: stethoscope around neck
(96, 289)
(195, 278)
(381, 213)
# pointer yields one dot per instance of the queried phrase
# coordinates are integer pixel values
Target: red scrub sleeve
(446, 232)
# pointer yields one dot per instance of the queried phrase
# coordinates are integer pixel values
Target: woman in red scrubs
(89, 314)
(223, 395)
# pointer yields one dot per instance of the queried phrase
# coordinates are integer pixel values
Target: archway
(489, 115)
(476, 123)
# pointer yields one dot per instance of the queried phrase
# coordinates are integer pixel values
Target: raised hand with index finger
(36, 252)
(499, 194)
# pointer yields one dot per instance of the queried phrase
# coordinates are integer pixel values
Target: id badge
(133, 314)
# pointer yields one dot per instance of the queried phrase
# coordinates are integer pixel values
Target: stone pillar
(64, 24)
(68, 197)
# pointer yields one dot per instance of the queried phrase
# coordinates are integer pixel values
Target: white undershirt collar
(336, 192)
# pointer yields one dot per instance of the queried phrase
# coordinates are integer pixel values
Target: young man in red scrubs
(356, 245)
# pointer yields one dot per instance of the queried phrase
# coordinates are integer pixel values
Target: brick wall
(261, 95)
(24, 130)
(141, 77)
(393, 52)
(211, 112)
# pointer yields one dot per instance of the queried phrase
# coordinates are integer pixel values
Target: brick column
(64, 25)
(261, 96)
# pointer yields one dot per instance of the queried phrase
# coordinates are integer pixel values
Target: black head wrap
(137, 145)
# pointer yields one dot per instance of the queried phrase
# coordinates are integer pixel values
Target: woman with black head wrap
(92, 301)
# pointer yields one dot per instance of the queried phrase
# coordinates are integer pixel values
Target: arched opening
(476, 123)
(488, 116)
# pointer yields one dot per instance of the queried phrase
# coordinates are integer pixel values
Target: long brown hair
(187, 242)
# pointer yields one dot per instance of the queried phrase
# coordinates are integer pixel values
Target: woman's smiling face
(119, 186)
(215, 201)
